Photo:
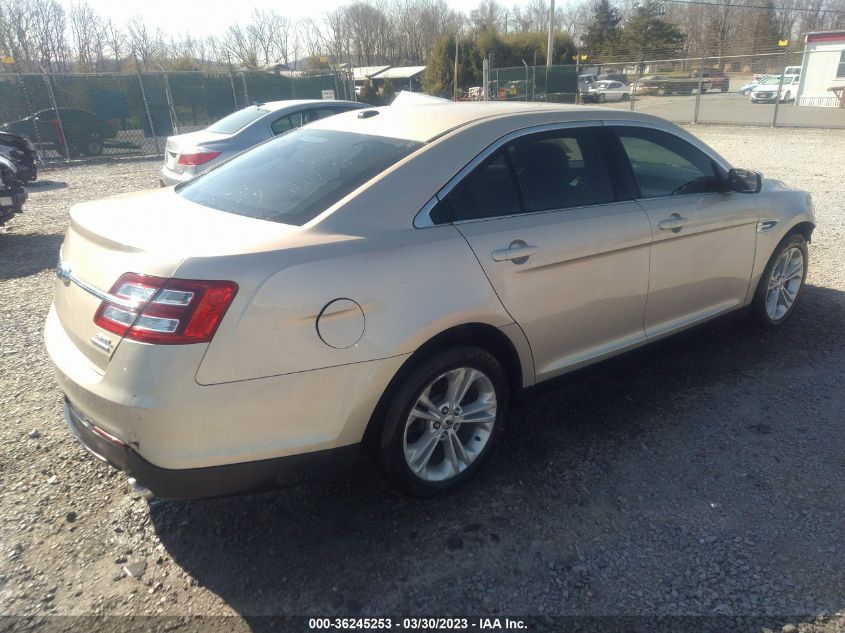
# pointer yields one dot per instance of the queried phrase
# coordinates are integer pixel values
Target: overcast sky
(210, 17)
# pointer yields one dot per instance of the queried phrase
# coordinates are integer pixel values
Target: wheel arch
(485, 336)
(805, 228)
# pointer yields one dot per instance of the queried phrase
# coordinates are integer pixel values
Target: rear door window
(561, 169)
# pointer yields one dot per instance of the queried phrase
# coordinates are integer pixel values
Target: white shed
(822, 68)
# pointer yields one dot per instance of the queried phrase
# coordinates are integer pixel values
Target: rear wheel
(602, 98)
(93, 146)
(782, 281)
(444, 421)
(725, 86)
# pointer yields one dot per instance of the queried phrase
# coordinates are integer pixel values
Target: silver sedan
(383, 282)
(186, 155)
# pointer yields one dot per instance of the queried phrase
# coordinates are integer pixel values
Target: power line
(752, 6)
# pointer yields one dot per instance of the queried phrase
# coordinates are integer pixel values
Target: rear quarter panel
(410, 286)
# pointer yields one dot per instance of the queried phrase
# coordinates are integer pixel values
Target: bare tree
(270, 34)
(115, 40)
(86, 34)
(141, 43)
(488, 16)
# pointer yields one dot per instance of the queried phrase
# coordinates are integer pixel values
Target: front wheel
(444, 421)
(782, 282)
(602, 98)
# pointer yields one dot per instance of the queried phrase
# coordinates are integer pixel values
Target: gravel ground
(703, 476)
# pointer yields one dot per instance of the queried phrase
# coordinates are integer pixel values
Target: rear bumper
(169, 177)
(214, 481)
(11, 203)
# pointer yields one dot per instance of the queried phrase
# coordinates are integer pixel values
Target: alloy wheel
(450, 424)
(784, 283)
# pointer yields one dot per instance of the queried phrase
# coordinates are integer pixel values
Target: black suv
(80, 130)
(18, 165)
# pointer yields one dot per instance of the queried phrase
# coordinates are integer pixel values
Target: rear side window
(295, 177)
(665, 165)
(286, 123)
(237, 120)
(488, 191)
(561, 170)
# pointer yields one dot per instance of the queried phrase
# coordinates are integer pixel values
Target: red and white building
(822, 68)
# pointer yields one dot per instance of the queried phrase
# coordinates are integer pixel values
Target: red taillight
(166, 311)
(57, 132)
(199, 158)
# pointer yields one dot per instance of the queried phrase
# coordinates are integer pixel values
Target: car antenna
(258, 104)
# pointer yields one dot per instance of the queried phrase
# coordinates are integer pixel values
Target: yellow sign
(324, 59)
(7, 60)
(584, 57)
(783, 42)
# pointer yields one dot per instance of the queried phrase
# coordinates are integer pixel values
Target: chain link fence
(71, 116)
(556, 84)
(784, 88)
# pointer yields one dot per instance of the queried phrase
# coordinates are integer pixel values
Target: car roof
(425, 122)
(273, 106)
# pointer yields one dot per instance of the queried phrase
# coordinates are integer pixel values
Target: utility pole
(550, 44)
(785, 45)
(456, 66)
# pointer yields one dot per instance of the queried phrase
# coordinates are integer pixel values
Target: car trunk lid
(190, 143)
(149, 233)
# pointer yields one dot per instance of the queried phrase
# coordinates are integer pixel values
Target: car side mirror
(745, 181)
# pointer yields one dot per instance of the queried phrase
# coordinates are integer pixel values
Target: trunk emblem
(103, 342)
(63, 272)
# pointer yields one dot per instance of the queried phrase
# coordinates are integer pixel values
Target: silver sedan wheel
(450, 424)
(785, 282)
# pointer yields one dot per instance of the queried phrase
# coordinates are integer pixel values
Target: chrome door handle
(673, 223)
(514, 253)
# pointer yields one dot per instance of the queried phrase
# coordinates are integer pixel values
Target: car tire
(420, 455)
(782, 283)
(661, 92)
(725, 87)
(93, 145)
(602, 98)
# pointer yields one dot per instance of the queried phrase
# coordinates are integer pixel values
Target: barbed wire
(754, 6)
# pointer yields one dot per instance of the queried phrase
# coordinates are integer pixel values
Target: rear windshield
(296, 176)
(237, 120)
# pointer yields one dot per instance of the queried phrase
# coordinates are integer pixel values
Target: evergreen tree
(601, 36)
(387, 92)
(647, 33)
(368, 94)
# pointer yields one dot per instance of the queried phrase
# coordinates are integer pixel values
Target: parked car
(603, 91)
(77, 130)
(717, 79)
(186, 155)
(767, 90)
(669, 84)
(620, 77)
(18, 166)
(22, 154)
(746, 89)
(385, 282)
